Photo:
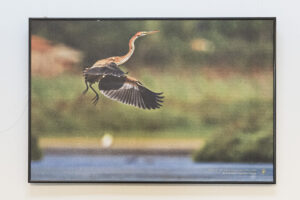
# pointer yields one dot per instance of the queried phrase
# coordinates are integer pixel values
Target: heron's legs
(96, 98)
(87, 87)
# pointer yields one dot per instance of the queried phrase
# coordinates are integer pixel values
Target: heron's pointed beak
(151, 32)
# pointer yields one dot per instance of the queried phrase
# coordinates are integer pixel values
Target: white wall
(13, 100)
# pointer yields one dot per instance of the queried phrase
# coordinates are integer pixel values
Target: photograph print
(152, 100)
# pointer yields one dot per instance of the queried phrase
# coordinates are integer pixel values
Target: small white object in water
(107, 140)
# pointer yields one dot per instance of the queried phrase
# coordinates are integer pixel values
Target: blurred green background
(216, 75)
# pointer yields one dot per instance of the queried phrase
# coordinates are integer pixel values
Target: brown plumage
(117, 85)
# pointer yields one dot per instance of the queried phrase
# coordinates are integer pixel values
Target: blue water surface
(144, 168)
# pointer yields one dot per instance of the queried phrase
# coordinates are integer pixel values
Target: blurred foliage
(233, 146)
(222, 110)
(36, 152)
(195, 101)
(239, 43)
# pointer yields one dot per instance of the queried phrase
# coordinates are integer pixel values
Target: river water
(119, 168)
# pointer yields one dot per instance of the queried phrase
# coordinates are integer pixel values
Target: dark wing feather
(108, 69)
(129, 92)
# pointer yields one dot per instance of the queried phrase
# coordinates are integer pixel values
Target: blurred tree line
(233, 43)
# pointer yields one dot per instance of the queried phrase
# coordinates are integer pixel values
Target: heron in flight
(117, 85)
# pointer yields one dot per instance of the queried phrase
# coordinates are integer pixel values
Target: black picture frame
(156, 182)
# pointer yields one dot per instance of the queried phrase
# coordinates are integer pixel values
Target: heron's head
(143, 33)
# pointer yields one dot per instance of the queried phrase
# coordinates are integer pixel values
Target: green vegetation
(36, 152)
(247, 138)
(217, 43)
(233, 113)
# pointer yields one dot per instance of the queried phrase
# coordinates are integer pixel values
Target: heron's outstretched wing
(129, 91)
(108, 69)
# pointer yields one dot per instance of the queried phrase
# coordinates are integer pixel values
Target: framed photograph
(152, 100)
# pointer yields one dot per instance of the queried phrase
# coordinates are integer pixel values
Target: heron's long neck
(126, 57)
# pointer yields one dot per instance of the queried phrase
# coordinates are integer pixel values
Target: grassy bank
(218, 106)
